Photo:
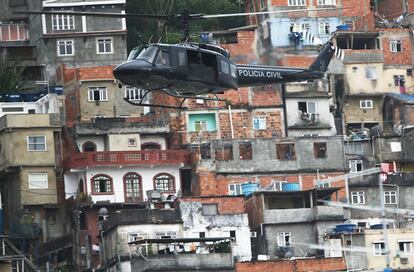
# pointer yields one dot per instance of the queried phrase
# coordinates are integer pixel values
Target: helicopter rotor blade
(266, 12)
(100, 14)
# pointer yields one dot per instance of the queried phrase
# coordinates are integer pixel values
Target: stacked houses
(272, 178)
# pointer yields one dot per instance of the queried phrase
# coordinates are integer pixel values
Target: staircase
(12, 259)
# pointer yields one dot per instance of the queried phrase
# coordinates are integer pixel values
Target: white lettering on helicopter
(259, 73)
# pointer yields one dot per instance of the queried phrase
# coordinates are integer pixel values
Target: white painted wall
(119, 142)
(98, 140)
(71, 181)
(116, 173)
(47, 104)
(154, 139)
(324, 116)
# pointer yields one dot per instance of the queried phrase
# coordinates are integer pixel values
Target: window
(324, 28)
(224, 153)
(235, 189)
(395, 46)
(89, 147)
(132, 142)
(202, 234)
(285, 152)
(132, 237)
(225, 68)
(365, 104)
(97, 94)
(165, 235)
(163, 58)
(102, 184)
(326, 2)
(164, 182)
(104, 46)
(307, 107)
(390, 197)
(232, 236)
(209, 209)
(319, 150)
(358, 197)
(245, 151)
(132, 93)
(370, 72)
(13, 32)
(262, 4)
(379, 248)
(200, 126)
(355, 166)
(38, 181)
(406, 247)
(283, 239)
(63, 22)
(36, 143)
(297, 2)
(259, 122)
(399, 80)
(65, 48)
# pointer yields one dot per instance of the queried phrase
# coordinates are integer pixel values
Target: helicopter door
(202, 67)
(227, 76)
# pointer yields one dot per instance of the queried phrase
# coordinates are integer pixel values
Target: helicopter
(187, 70)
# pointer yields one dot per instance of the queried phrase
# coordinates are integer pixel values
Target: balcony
(147, 157)
(363, 56)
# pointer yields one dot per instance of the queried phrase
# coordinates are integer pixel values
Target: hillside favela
(201, 135)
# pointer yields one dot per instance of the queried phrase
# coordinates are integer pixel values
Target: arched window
(132, 188)
(89, 146)
(150, 146)
(101, 184)
(164, 182)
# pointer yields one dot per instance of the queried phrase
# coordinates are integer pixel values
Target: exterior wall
(399, 58)
(31, 196)
(299, 265)
(354, 114)
(99, 141)
(119, 142)
(210, 183)
(116, 173)
(280, 28)
(116, 240)
(114, 107)
(242, 121)
(394, 235)
(231, 217)
(324, 124)
(47, 104)
(154, 139)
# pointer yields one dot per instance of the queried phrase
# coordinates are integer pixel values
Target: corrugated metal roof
(407, 98)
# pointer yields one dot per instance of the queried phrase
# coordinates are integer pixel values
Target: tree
(168, 32)
(11, 75)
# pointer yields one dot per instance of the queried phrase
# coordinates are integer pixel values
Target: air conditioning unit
(404, 260)
(253, 234)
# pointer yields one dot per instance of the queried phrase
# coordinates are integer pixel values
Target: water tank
(345, 228)
(248, 188)
(292, 186)
(342, 27)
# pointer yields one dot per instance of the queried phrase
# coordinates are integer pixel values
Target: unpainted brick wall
(226, 205)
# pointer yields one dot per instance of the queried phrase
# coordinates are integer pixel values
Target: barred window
(102, 184)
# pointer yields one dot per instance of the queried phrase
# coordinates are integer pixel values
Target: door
(132, 188)
(227, 77)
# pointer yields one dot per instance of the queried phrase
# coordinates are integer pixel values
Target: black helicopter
(186, 70)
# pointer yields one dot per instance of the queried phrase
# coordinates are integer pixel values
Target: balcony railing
(146, 157)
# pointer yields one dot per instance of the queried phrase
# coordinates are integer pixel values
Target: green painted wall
(209, 117)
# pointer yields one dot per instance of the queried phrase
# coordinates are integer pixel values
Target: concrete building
(82, 41)
(30, 178)
(287, 222)
(218, 216)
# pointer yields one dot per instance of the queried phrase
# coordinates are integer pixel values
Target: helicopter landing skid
(175, 94)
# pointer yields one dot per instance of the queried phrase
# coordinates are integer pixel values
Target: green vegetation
(11, 75)
(172, 32)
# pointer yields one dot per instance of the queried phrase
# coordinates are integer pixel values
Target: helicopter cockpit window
(147, 54)
(134, 53)
(163, 58)
(181, 58)
(225, 68)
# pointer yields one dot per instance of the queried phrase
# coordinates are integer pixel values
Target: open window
(286, 151)
(245, 151)
(224, 153)
(319, 150)
(202, 66)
